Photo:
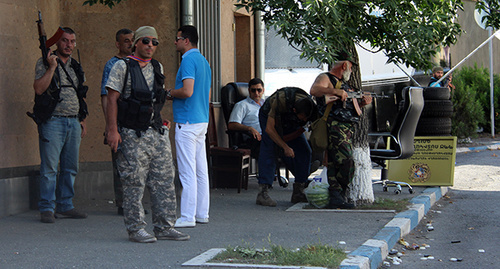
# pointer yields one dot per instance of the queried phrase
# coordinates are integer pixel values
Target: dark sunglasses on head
(254, 89)
(146, 41)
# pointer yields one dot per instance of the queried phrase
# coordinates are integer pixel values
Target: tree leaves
(410, 32)
(109, 3)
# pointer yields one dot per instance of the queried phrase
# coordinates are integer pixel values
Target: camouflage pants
(117, 182)
(340, 160)
(146, 161)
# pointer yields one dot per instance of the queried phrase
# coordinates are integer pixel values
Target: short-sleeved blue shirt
(105, 74)
(246, 112)
(195, 108)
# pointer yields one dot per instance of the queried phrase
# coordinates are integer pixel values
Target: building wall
(95, 27)
(470, 39)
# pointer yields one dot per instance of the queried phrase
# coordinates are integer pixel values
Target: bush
(471, 103)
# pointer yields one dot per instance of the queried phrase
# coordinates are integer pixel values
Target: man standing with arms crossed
(135, 99)
(61, 133)
(191, 98)
(124, 39)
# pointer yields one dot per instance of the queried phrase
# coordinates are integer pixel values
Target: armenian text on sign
(432, 163)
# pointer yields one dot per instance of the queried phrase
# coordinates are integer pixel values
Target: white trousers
(193, 170)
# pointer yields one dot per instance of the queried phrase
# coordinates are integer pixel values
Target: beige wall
(473, 37)
(19, 39)
(95, 27)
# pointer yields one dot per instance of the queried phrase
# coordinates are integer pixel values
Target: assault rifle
(40, 113)
(42, 37)
(353, 95)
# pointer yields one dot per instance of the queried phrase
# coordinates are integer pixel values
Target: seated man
(282, 118)
(245, 116)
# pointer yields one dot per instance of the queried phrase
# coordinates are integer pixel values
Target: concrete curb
(493, 146)
(374, 251)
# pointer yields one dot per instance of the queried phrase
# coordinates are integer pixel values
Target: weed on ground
(309, 255)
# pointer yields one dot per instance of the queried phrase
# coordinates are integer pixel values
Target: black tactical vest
(46, 102)
(142, 108)
(341, 111)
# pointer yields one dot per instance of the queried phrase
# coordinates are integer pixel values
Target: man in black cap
(327, 87)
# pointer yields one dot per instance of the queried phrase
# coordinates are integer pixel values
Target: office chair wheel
(396, 191)
(410, 191)
(384, 188)
(283, 181)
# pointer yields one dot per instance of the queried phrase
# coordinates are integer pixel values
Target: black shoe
(73, 214)
(338, 202)
(47, 217)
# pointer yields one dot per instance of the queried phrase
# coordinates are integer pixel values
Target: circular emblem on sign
(419, 172)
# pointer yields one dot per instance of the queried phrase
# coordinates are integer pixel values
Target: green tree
(109, 3)
(469, 113)
(409, 33)
(471, 101)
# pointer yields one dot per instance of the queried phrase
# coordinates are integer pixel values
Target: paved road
(101, 240)
(465, 221)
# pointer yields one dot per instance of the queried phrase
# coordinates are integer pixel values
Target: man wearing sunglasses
(135, 129)
(245, 116)
(191, 98)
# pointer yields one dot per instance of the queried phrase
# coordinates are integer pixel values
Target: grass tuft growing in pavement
(309, 255)
(385, 203)
(379, 204)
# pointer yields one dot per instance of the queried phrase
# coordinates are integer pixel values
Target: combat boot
(263, 197)
(298, 195)
(336, 201)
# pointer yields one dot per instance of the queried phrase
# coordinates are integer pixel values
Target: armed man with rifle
(332, 95)
(60, 113)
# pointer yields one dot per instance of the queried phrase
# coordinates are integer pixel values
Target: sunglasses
(256, 90)
(146, 41)
(179, 38)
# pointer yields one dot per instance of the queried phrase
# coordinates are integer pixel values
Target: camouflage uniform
(340, 132)
(144, 161)
(340, 161)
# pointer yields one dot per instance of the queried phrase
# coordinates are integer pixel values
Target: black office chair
(231, 94)
(401, 145)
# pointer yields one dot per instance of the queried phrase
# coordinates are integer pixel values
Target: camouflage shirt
(69, 105)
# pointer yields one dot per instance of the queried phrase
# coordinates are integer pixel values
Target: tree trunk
(361, 191)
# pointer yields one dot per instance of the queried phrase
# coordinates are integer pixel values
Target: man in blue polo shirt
(191, 98)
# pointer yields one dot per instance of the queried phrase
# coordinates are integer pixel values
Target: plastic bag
(317, 192)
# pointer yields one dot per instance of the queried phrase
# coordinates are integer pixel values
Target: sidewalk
(101, 240)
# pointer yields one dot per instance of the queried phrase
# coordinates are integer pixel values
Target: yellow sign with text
(432, 164)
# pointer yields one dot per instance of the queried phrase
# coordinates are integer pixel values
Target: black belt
(70, 116)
